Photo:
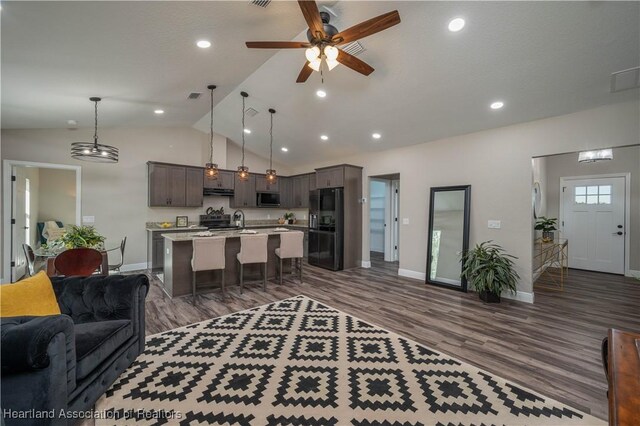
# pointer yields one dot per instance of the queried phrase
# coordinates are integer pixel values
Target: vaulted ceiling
(540, 58)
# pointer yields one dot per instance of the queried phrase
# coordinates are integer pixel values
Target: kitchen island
(178, 250)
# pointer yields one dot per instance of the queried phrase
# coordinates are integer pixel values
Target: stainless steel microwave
(268, 199)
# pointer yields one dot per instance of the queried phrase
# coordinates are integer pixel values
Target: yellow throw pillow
(33, 296)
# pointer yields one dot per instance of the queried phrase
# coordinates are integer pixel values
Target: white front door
(593, 222)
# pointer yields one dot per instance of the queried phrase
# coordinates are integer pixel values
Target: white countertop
(228, 234)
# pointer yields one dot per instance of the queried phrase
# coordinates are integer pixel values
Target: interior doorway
(37, 196)
(384, 213)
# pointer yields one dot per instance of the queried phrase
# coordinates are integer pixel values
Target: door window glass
(592, 194)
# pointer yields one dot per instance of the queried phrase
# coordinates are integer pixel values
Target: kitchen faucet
(237, 214)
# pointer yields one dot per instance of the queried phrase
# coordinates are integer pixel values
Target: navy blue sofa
(66, 362)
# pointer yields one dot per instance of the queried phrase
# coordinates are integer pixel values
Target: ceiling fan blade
(305, 72)
(367, 28)
(277, 44)
(354, 63)
(312, 16)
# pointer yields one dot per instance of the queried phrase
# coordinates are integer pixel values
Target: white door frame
(7, 201)
(627, 208)
(395, 221)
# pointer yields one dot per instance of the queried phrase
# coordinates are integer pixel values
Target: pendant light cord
(243, 131)
(271, 144)
(95, 129)
(211, 131)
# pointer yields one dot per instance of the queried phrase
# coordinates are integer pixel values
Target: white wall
(57, 196)
(625, 160)
(497, 163)
(116, 194)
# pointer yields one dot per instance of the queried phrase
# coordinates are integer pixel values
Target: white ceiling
(541, 58)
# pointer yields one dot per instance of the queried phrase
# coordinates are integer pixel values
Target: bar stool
(208, 255)
(291, 247)
(253, 249)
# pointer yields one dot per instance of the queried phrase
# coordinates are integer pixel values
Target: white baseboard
(366, 264)
(633, 273)
(412, 274)
(133, 267)
(521, 296)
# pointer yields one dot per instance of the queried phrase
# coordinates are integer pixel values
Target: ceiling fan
(324, 37)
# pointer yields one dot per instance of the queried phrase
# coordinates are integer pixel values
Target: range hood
(218, 191)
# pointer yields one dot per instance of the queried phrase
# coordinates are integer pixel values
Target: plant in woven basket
(489, 270)
(82, 236)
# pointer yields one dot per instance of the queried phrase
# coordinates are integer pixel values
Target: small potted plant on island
(547, 226)
(490, 271)
(290, 218)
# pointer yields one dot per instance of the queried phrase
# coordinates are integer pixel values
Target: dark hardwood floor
(552, 346)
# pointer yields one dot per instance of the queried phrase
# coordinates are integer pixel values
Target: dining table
(50, 257)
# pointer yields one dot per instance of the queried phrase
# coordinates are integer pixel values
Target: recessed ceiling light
(321, 93)
(247, 131)
(456, 24)
(203, 44)
(497, 105)
(284, 149)
(376, 135)
(158, 111)
(324, 137)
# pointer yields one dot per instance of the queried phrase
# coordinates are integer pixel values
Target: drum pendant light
(243, 171)
(271, 173)
(95, 152)
(211, 168)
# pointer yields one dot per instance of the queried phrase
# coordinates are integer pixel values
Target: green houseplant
(289, 217)
(82, 236)
(489, 270)
(547, 226)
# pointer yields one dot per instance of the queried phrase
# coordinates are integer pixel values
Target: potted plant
(82, 236)
(547, 226)
(290, 217)
(489, 270)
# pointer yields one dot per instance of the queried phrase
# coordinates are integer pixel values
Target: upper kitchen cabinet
(286, 196)
(193, 188)
(330, 177)
(168, 185)
(244, 192)
(225, 180)
(312, 182)
(263, 186)
(300, 192)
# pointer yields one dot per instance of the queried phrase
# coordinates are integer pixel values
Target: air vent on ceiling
(625, 80)
(194, 95)
(354, 48)
(261, 3)
(251, 112)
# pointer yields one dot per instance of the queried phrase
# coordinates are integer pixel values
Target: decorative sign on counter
(182, 221)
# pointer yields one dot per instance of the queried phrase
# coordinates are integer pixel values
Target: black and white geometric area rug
(299, 362)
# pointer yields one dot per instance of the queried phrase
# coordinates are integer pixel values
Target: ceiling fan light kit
(324, 37)
(93, 151)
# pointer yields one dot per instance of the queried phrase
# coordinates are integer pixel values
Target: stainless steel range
(216, 221)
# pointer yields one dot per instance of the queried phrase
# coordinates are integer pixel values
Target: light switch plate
(88, 219)
(405, 220)
(494, 224)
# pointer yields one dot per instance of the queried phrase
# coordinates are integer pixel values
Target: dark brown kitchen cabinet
(300, 191)
(286, 196)
(193, 188)
(225, 180)
(331, 177)
(312, 182)
(167, 185)
(244, 194)
(263, 186)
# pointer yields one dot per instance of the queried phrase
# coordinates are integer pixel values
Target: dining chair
(291, 247)
(31, 259)
(117, 266)
(78, 262)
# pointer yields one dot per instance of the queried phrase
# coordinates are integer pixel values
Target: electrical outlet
(494, 224)
(88, 219)
(268, 216)
(405, 220)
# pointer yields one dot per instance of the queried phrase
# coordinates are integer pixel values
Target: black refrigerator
(326, 228)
